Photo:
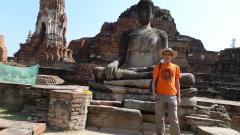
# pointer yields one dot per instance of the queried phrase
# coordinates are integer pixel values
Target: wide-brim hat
(174, 53)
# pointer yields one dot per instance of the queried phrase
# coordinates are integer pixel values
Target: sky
(214, 22)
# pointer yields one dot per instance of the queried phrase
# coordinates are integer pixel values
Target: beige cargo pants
(161, 101)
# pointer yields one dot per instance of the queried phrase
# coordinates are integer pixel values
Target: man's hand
(178, 100)
(111, 69)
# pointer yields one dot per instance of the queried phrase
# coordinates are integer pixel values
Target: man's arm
(153, 87)
(178, 91)
(164, 36)
(123, 47)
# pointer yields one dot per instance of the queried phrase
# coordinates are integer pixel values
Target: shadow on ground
(11, 115)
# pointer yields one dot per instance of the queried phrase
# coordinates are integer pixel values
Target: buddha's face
(145, 14)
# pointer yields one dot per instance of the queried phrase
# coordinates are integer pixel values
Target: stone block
(69, 113)
(149, 118)
(188, 101)
(114, 117)
(49, 80)
(187, 80)
(145, 106)
(119, 97)
(188, 92)
(183, 110)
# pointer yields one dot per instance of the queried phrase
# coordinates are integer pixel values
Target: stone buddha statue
(138, 49)
(130, 75)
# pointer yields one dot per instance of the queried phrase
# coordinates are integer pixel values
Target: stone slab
(146, 106)
(203, 130)
(138, 83)
(21, 127)
(16, 131)
(114, 117)
(106, 103)
(119, 97)
(60, 87)
(117, 89)
(49, 80)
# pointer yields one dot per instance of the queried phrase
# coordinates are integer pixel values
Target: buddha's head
(145, 10)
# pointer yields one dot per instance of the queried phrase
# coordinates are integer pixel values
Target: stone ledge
(119, 97)
(106, 103)
(195, 121)
(233, 107)
(145, 106)
(217, 101)
(117, 89)
(60, 87)
(203, 130)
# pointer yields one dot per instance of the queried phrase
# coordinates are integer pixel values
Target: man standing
(166, 91)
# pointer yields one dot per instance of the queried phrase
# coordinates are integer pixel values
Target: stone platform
(21, 128)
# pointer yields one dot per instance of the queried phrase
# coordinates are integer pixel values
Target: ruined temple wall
(165, 25)
(203, 61)
(229, 61)
(3, 50)
(181, 47)
(47, 45)
(108, 47)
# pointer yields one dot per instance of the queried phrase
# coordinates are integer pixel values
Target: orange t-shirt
(167, 77)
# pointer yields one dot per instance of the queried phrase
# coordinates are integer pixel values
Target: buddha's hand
(111, 70)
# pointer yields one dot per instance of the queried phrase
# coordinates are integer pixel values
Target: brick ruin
(3, 50)
(229, 61)
(223, 81)
(62, 106)
(47, 44)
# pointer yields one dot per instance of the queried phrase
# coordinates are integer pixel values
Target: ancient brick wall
(33, 100)
(3, 50)
(229, 61)
(68, 110)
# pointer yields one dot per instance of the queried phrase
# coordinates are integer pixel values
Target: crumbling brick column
(68, 109)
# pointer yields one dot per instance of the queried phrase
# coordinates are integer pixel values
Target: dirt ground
(94, 131)
(89, 131)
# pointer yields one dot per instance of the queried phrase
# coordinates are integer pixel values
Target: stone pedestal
(68, 109)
